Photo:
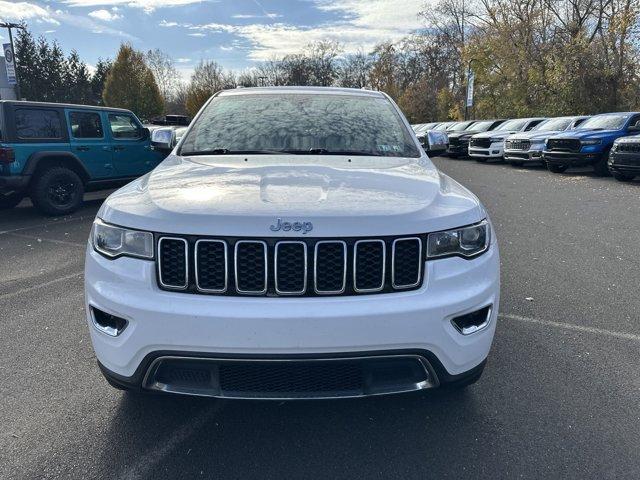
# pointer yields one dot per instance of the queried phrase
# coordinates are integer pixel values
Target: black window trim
(135, 120)
(96, 112)
(61, 119)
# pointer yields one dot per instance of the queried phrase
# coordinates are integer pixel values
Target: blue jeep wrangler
(591, 143)
(54, 152)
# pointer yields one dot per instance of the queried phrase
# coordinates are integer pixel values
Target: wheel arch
(40, 161)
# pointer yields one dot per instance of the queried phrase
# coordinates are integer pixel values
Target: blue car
(591, 143)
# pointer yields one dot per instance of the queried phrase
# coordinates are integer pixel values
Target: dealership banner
(472, 77)
(9, 63)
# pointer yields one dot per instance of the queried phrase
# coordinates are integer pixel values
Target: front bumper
(571, 159)
(167, 323)
(13, 183)
(458, 149)
(624, 162)
(523, 156)
(495, 150)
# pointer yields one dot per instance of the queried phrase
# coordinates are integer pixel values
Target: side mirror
(146, 134)
(162, 139)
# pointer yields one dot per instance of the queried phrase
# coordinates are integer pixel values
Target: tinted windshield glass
(458, 127)
(553, 124)
(481, 126)
(513, 125)
(300, 123)
(613, 121)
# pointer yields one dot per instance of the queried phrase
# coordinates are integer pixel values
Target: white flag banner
(472, 77)
(10, 64)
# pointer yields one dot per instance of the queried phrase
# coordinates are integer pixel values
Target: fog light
(472, 322)
(107, 323)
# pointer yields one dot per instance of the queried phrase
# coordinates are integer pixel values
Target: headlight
(113, 242)
(594, 141)
(537, 146)
(465, 242)
(614, 147)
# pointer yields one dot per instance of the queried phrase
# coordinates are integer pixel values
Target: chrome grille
(283, 266)
(518, 144)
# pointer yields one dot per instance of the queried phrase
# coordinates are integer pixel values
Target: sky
(236, 34)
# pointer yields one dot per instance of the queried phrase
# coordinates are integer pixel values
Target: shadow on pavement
(171, 437)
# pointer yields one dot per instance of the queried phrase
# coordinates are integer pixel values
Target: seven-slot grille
(564, 144)
(278, 267)
(518, 144)
(480, 142)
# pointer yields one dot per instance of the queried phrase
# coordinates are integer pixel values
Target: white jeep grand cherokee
(297, 243)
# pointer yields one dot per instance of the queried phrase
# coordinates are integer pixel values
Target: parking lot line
(570, 326)
(22, 291)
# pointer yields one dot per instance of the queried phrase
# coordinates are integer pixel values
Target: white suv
(490, 145)
(297, 243)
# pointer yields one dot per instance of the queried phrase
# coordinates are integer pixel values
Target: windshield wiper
(324, 151)
(226, 151)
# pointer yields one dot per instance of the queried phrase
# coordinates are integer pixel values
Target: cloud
(226, 48)
(104, 15)
(146, 5)
(17, 11)
(246, 16)
(360, 24)
(183, 60)
(197, 34)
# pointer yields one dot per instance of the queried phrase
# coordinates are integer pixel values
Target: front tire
(556, 168)
(622, 177)
(11, 200)
(57, 191)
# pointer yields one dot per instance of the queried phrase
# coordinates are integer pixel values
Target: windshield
(608, 122)
(458, 127)
(443, 126)
(553, 124)
(300, 123)
(482, 126)
(517, 125)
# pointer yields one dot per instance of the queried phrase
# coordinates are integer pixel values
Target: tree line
(529, 57)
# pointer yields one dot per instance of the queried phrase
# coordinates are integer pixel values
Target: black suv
(624, 158)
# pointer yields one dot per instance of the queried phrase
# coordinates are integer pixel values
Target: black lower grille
(290, 377)
(563, 145)
(480, 142)
(272, 267)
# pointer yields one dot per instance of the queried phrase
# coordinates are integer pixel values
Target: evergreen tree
(130, 84)
(98, 80)
(26, 53)
(78, 81)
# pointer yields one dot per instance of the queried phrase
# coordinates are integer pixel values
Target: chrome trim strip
(266, 267)
(275, 267)
(226, 267)
(474, 328)
(384, 266)
(186, 264)
(149, 382)
(315, 269)
(393, 262)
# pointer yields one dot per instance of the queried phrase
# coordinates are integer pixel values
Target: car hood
(495, 134)
(630, 139)
(584, 133)
(341, 196)
(533, 135)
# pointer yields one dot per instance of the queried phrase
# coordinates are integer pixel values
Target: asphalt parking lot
(560, 397)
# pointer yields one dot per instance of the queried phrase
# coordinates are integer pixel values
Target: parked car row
(609, 142)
